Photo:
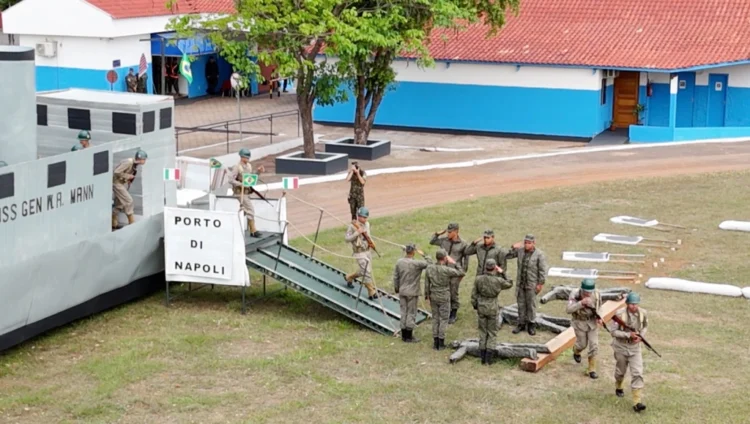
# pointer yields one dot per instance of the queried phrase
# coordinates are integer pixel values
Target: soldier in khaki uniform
(407, 277)
(532, 273)
(627, 347)
(84, 138)
(486, 251)
(585, 304)
(123, 176)
(246, 205)
(361, 251)
(437, 291)
(487, 287)
(456, 249)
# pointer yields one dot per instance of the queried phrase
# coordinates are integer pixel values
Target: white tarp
(677, 284)
(573, 272)
(204, 247)
(631, 220)
(585, 256)
(735, 226)
(617, 239)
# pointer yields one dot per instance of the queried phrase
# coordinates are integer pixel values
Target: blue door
(717, 99)
(685, 98)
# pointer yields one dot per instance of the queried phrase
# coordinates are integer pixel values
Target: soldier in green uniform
(487, 250)
(84, 138)
(456, 249)
(358, 178)
(437, 291)
(585, 304)
(123, 176)
(242, 193)
(627, 348)
(361, 251)
(407, 277)
(532, 273)
(487, 287)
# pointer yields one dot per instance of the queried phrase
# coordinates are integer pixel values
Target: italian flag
(171, 174)
(290, 183)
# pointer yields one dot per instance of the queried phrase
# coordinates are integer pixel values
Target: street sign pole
(235, 81)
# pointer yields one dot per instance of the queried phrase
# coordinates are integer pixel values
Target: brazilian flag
(214, 163)
(185, 70)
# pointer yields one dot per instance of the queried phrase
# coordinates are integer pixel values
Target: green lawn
(291, 360)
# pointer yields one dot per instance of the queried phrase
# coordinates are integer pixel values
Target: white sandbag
(677, 284)
(735, 226)
(746, 292)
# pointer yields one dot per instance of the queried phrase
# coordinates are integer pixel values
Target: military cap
(489, 233)
(529, 237)
(410, 248)
(633, 298)
(490, 264)
(363, 212)
(245, 153)
(440, 254)
(588, 285)
(452, 226)
(84, 135)
(141, 154)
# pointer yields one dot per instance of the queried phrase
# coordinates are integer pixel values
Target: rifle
(619, 320)
(367, 237)
(135, 172)
(251, 189)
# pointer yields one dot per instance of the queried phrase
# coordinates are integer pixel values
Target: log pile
(502, 350)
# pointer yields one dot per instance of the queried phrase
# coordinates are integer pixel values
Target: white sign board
(204, 247)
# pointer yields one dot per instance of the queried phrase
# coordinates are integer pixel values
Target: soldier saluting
(243, 194)
(485, 248)
(532, 273)
(585, 305)
(627, 346)
(407, 277)
(437, 291)
(456, 249)
(487, 287)
(124, 174)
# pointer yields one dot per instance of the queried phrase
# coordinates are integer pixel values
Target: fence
(215, 138)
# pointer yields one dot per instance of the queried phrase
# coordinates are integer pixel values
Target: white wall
(92, 53)
(75, 18)
(739, 76)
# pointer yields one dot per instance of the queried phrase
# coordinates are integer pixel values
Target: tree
(4, 4)
(373, 33)
(287, 33)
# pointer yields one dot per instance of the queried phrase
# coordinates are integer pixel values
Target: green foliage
(4, 4)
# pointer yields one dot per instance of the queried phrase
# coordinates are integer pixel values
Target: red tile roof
(122, 9)
(656, 34)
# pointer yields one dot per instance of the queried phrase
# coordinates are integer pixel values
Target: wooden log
(566, 340)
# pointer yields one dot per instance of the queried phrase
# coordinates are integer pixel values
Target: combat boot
(637, 405)
(349, 278)
(531, 328)
(483, 356)
(592, 368)
(115, 221)
(435, 343)
(251, 228)
(441, 344)
(131, 219)
(519, 328)
(577, 357)
(404, 335)
(412, 339)
(452, 317)
(618, 388)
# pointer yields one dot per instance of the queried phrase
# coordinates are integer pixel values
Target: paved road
(396, 193)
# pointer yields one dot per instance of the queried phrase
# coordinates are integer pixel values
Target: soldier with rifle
(239, 190)
(358, 234)
(123, 174)
(628, 327)
(585, 306)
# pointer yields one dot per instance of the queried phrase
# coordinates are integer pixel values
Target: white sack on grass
(735, 226)
(677, 284)
(746, 292)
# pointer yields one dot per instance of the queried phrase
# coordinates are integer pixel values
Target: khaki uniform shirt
(235, 177)
(621, 337)
(123, 170)
(358, 241)
(584, 316)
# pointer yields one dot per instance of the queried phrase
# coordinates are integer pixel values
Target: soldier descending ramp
(324, 284)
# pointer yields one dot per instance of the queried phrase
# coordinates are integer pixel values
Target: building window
(604, 91)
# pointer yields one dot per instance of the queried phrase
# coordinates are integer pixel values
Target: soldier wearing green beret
(627, 347)
(585, 305)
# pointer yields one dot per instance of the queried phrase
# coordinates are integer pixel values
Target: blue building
(574, 68)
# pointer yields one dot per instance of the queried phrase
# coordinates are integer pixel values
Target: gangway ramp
(324, 284)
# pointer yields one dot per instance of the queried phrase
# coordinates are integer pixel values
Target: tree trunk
(360, 133)
(305, 101)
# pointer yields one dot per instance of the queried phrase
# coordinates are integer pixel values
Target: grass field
(291, 360)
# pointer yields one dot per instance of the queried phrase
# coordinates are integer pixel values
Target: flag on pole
(249, 180)
(214, 164)
(171, 174)
(185, 70)
(142, 66)
(290, 183)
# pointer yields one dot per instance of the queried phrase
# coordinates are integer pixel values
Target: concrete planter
(323, 164)
(374, 149)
